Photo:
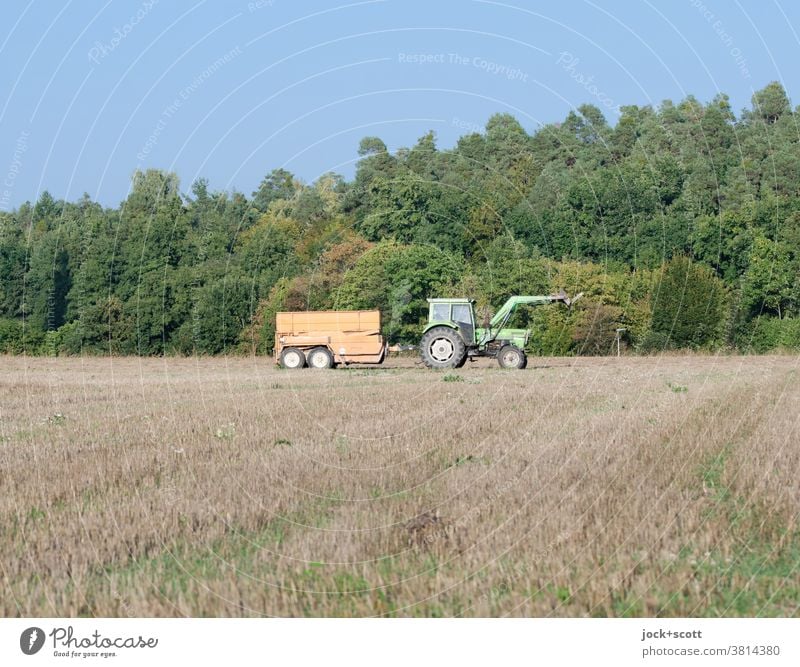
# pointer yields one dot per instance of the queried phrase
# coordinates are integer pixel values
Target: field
(578, 487)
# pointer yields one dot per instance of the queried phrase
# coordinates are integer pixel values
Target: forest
(680, 223)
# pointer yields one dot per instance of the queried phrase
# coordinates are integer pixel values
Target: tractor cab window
(440, 312)
(462, 313)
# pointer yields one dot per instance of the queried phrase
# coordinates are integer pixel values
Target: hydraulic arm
(501, 317)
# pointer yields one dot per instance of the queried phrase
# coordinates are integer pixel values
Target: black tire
(292, 358)
(511, 356)
(442, 347)
(320, 357)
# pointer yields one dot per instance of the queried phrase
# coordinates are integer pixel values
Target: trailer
(325, 338)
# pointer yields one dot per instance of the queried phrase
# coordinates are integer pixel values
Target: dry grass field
(578, 487)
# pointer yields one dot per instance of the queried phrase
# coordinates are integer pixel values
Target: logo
(31, 640)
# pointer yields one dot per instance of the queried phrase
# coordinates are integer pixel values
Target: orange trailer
(324, 338)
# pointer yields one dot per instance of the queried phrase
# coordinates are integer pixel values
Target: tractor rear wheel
(442, 347)
(320, 357)
(292, 358)
(511, 356)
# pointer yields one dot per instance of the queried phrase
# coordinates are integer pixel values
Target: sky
(95, 89)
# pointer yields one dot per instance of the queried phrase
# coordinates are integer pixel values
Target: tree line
(681, 224)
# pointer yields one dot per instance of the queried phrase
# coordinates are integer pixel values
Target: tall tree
(689, 304)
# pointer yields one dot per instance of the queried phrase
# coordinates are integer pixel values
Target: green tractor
(451, 337)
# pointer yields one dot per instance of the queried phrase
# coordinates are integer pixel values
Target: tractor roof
(452, 300)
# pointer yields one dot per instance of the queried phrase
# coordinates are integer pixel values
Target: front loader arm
(505, 311)
(502, 316)
(508, 308)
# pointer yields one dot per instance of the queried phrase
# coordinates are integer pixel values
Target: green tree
(770, 284)
(397, 279)
(771, 102)
(689, 305)
(153, 231)
(47, 284)
(278, 184)
(103, 327)
(220, 312)
(12, 266)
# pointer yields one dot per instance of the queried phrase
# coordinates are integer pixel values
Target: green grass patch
(757, 573)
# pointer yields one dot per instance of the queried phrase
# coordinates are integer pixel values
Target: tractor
(451, 337)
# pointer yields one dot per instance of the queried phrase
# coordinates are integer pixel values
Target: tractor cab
(456, 313)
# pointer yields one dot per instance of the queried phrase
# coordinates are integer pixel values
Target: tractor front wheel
(442, 347)
(511, 356)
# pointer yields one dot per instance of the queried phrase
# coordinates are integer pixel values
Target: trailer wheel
(292, 358)
(442, 347)
(320, 357)
(511, 356)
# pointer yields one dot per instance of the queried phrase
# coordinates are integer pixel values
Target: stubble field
(578, 487)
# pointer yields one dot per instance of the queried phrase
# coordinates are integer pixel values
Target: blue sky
(94, 89)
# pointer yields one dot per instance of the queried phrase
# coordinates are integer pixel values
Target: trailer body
(324, 338)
